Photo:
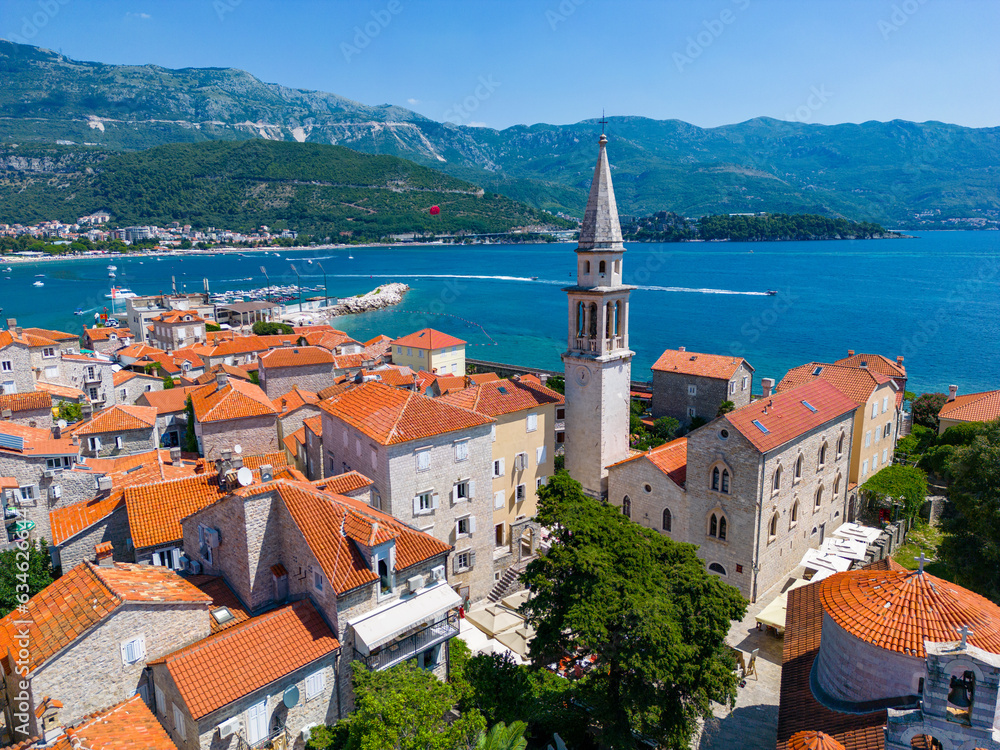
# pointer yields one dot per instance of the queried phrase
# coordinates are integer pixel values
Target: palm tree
(502, 737)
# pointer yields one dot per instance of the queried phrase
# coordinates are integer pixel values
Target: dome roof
(898, 610)
(813, 741)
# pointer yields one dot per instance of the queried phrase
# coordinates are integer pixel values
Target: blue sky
(506, 62)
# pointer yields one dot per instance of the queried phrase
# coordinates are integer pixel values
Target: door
(257, 722)
(822, 532)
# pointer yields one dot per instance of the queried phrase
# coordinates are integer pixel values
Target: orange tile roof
(224, 667)
(178, 316)
(719, 366)
(222, 596)
(70, 520)
(497, 397)
(155, 510)
(296, 356)
(138, 351)
(341, 484)
(235, 400)
(168, 400)
(9, 483)
(117, 418)
(785, 416)
(64, 391)
(428, 338)
(29, 401)
(973, 407)
(293, 440)
(314, 424)
(813, 741)
(349, 361)
(397, 377)
(47, 333)
(36, 441)
(274, 460)
(390, 416)
(104, 334)
(83, 596)
(188, 354)
(210, 375)
(293, 400)
(25, 339)
(123, 376)
(128, 726)
(380, 339)
(858, 383)
(876, 362)
(670, 458)
(235, 345)
(336, 389)
(899, 610)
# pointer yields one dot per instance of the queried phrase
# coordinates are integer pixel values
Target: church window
(836, 487)
(840, 447)
(609, 320)
(717, 526)
(586, 266)
(819, 496)
(795, 514)
(581, 319)
(618, 318)
(602, 268)
(725, 481)
(667, 519)
(593, 320)
(716, 474)
(722, 528)
(713, 526)
(777, 479)
(798, 468)
(822, 454)
(627, 507)
(772, 530)
(716, 568)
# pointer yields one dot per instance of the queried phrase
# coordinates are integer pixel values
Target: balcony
(587, 345)
(277, 740)
(410, 645)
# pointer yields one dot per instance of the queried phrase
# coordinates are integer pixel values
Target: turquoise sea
(934, 299)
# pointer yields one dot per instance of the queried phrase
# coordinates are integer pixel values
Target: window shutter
(125, 652)
(472, 489)
(454, 494)
(472, 525)
(416, 505)
(498, 500)
(434, 501)
(454, 564)
(503, 468)
(540, 455)
(472, 559)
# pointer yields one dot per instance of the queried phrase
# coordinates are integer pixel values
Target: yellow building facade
(431, 351)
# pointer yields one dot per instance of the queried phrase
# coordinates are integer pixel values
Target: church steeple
(601, 228)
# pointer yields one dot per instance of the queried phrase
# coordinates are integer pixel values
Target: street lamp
(299, 278)
(326, 289)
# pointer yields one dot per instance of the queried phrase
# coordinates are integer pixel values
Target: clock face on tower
(582, 375)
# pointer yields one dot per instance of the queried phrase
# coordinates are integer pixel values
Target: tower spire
(601, 228)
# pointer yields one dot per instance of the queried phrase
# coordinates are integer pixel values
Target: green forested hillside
(667, 226)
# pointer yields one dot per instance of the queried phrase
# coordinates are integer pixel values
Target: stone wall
(40, 418)
(132, 441)
(671, 397)
(112, 528)
(292, 421)
(632, 479)
(277, 381)
(129, 391)
(19, 370)
(255, 435)
(314, 456)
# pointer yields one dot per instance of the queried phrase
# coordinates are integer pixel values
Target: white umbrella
(514, 601)
(493, 619)
(517, 640)
(477, 641)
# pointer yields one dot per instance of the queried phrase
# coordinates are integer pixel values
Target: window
(399, 350)
(462, 491)
(425, 502)
(692, 390)
(732, 387)
(836, 487)
(725, 481)
(423, 459)
(384, 579)
(745, 382)
(874, 410)
(464, 561)
(716, 568)
(798, 468)
(667, 519)
(885, 455)
(723, 434)
(119, 443)
(318, 581)
(520, 461)
(374, 457)
(133, 650)
(92, 393)
(539, 482)
(94, 443)
(357, 447)
(864, 467)
(772, 529)
(345, 437)
(627, 506)
(602, 267)
(409, 351)
(875, 461)
(420, 353)
(462, 450)
(532, 422)
(179, 724)
(794, 517)
(49, 352)
(878, 434)
(888, 429)
(840, 446)
(498, 500)
(716, 475)
(885, 404)
(819, 498)
(722, 528)
(7, 366)
(777, 480)
(691, 412)
(465, 526)
(124, 394)
(161, 700)
(91, 374)
(586, 266)
(521, 492)
(822, 455)
(647, 488)
(51, 372)
(717, 526)
(498, 468)
(315, 684)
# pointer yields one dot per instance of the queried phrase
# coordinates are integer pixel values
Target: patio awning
(820, 561)
(378, 627)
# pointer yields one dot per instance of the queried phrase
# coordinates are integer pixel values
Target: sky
(499, 63)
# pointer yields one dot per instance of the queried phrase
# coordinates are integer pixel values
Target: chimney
(768, 385)
(19, 331)
(266, 473)
(76, 439)
(48, 712)
(221, 378)
(899, 361)
(237, 462)
(682, 348)
(104, 554)
(104, 483)
(56, 431)
(11, 324)
(850, 352)
(175, 456)
(952, 392)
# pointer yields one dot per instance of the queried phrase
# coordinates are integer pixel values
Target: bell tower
(597, 361)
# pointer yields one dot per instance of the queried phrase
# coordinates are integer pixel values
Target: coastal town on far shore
(239, 517)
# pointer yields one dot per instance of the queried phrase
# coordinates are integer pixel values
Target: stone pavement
(753, 723)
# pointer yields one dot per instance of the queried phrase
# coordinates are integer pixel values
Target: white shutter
(125, 652)
(472, 559)
(434, 501)
(161, 701)
(493, 433)
(454, 494)
(503, 467)
(176, 554)
(416, 505)
(498, 500)
(472, 489)
(472, 525)
(454, 564)
(540, 455)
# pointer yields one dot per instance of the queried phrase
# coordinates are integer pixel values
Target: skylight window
(817, 371)
(809, 406)
(222, 615)
(762, 428)
(502, 390)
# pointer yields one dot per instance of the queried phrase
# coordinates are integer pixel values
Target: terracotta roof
(293, 400)
(138, 351)
(70, 520)
(380, 339)
(274, 460)
(155, 510)
(349, 361)
(128, 726)
(336, 389)
(973, 407)
(296, 356)
(105, 334)
(224, 667)
(210, 375)
(9, 483)
(48, 333)
(64, 391)
(293, 440)
(785, 415)
(876, 362)
(29, 401)
(390, 416)
(397, 377)
(25, 339)
(168, 400)
(85, 358)
(188, 354)
(235, 345)
(86, 594)
(341, 484)
(670, 458)
(428, 338)
(813, 741)
(179, 316)
(235, 400)
(899, 610)
(222, 596)
(314, 424)
(117, 418)
(123, 376)
(720, 366)
(858, 383)
(497, 397)
(36, 441)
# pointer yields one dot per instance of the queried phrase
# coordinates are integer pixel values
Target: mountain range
(897, 173)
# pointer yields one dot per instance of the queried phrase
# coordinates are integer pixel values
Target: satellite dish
(291, 696)
(62, 424)
(244, 476)
(237, 449)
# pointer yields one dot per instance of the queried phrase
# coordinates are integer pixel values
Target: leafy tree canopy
(643, 606)
(725, 407)
(29, 568)
(69, 411)
(906, 484)
(264, 328)
(925, 409)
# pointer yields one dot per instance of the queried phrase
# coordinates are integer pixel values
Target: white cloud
(413, 102)
(477, 124)
(142, 16)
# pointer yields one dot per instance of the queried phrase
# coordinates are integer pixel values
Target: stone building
(29, 355)
(92, 375)
(598, 362)
(32, 408)
(294, 408)
(91, 633)
(118, 430)
(171, 412)
(230, 413)
(129, 385)
(307, 367)
(177, 329)
(436, 352)
(16, 371)
(107, 340)
(431, 465)
(313, 435)
(687, 384)
(649, 488)
(237, 350)
(140, 311)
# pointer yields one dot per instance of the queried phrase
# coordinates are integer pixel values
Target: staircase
(508, 583)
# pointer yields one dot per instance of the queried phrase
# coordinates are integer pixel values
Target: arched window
(627, 507)
(722, 529)
(836, 487)
(586, 266)
(593, 320)
(609, 321)
(772, 530)
(601, 268)
(383, 577)
(715, 478)
(667, 519)
(795, 513)
(618, 318)
(716, 568)
(819, 496)
(822, 454)
(777, 479)
(798, 468)
(713, 526)
(581, 319)
(725, 481)
(840, 446)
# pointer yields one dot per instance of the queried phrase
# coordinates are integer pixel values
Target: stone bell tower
(598, 361)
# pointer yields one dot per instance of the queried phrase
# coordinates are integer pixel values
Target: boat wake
(699, 291)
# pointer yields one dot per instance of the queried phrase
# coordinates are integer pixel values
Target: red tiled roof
(973, 407)
(155, 510)
(274, 460)
(336, 389)
(117, 418)
(63, 391)
(123, 376)
(813, 741)
(341, 484)
(224, 667)
(179, 316)
(390, 416)
(497, 397)
(380, 339)
(235, 400)
(29, 401)
(70, 520)
(168, 400)
(138, 351)
(314, 424)
(428, 338)
(293, 400)
(25, 339)
(296, 356)
(876, 362)
(222, 596)
(858, 383)
(899, 610)
(47, 333)
(72, 604)
(37, 442)
(105, 334)
(785, 416)
(293, 440)
(128, 726)
(235, 345)
(719, 366)
(670, 458)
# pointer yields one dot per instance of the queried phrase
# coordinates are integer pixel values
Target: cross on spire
(965, 631)
(602, 122)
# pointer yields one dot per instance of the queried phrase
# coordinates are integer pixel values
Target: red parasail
(435, 210)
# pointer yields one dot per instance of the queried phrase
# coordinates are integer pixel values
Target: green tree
(557, 383)
(168, 382)
(665, 428)
(503, 737)
(70, 411)
(35, 573)
(925, 409)
(212, 327)
(643, 606)
(190, 438)
(265, 328)
(725, 407)
(906, 484)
